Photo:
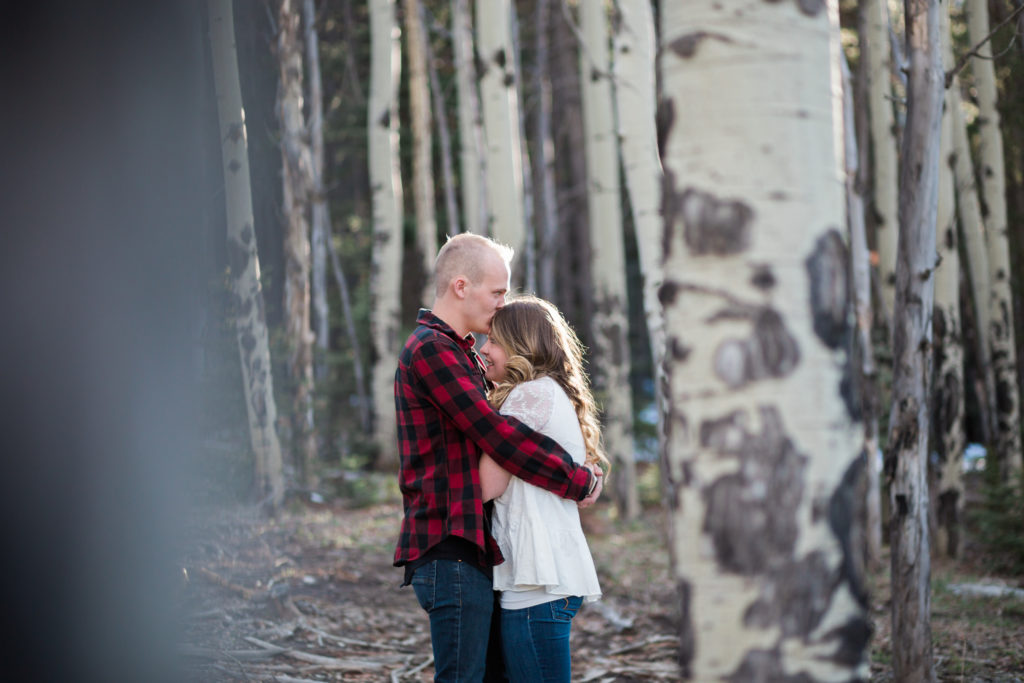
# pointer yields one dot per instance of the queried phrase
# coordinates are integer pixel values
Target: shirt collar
(427, 318)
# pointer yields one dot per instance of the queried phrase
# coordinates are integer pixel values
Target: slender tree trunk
(243, 258)
(972, 230)
(860, 272)
(444, 136)
(1000, 302)
(611, 360)
(947, 395)
(635, 99)
(762, 431)
(386, 185)
(527, 264)
(473, 161)
(876, 51)
(297, 178)
(422, 146)
(320, 227)
(907, 450)
(358, 371)
(544, 155)
(497, 81)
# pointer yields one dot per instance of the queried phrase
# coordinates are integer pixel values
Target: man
(444, 424)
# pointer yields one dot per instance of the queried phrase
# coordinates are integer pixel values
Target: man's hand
(596, 493)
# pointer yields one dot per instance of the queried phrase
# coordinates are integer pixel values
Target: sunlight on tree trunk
(475, 212)
(386, 185)
(993, 186)
(422, 148)
(763, 453)
(243, 258)
(907, 447)
(611, 359)
(297, 185)
(503, 149)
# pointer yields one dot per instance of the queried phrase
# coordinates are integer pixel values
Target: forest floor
(311, 596)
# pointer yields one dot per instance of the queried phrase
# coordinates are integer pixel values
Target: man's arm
(450, 380)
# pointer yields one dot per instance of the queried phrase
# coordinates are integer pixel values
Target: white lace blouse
(546, 554)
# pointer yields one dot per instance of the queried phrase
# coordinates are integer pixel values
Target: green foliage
(998, 520)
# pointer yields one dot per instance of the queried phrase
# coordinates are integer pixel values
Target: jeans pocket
(564, 609)
(423, 583)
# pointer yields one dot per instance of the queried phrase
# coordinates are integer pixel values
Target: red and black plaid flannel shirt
(444, 422)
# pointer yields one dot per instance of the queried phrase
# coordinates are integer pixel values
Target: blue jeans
(460, 601)
(536, 641)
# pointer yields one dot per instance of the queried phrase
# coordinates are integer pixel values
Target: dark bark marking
(947, 405)
(950, 239)
(686, 46)
(765, 666)
(664, 119)
(847, 517)
(508, 81)
(763, 278)
(811, 7)
(853, 636)
(771, 351)
(248, 342)
(385, 119)
(830, 296)
(233, 165)
(667, 292)
(686, 636)
(499, 57)
(238, 258)
(678, 351)
(750, 515)
(714, 226)
(795, 596)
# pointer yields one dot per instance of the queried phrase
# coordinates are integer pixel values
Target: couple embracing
(502, 580)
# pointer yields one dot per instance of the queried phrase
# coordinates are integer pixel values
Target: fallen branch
(219, 580)
(639, 646)
(322, 662)
(239, 655)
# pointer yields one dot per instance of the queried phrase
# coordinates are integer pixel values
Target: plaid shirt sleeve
(456, 389)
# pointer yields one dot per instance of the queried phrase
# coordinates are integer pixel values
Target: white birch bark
(993, 187)
(635, 99)
(500, 106)
(386, 186)
(762, 437)
(948, 392)
(860, 271)
(320, 225)
(876, 49)
(907, 445)
(243, 259)
(422, 146)
(544, 156)
(611, 361)
(972, 230)
(296, 176)
(473, 161)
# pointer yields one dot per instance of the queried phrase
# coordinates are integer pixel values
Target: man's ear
(459, 285)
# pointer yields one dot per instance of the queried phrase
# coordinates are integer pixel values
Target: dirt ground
(311, 595)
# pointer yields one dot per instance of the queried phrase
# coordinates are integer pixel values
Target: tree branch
(973, 52)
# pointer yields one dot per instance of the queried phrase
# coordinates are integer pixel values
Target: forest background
(124, 399)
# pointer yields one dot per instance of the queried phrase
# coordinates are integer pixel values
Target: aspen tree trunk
(503, 152)
(422, 146)
(362, 395)
(947, 394)
(320, 226)
(444, 137)
(860, 271)
(611, 360)
(297, 177)
(527, 264)
(972, 230)
(762, 433)
(544, 154)
(386, 185)
(876, 51)
(635, 99)
(907, 449)
(473, 161)
(1000, 302)
(250, 320)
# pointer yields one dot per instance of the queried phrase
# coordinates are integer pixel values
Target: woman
(536, 361)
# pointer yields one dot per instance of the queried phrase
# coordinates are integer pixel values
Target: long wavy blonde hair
(539, 342)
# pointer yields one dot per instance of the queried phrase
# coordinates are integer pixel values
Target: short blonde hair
(463, 254)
